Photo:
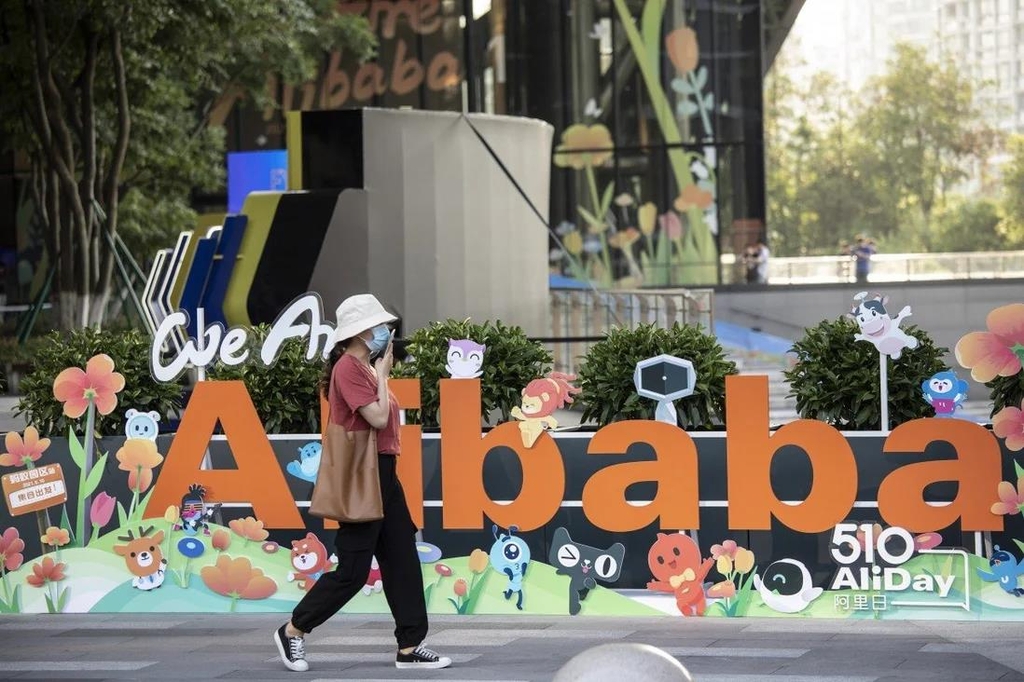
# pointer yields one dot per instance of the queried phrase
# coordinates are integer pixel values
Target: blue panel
(253, 172)
(223, 265)
(198, 275)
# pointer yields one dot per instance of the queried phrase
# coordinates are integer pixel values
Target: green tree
(110, 100)
(965, 225)
(1013, 193)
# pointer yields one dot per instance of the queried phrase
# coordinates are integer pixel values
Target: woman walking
(360, 400)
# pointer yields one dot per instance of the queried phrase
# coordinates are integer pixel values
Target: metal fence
(894, 267)
(580, 318)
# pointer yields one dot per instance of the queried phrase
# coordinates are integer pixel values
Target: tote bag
(347, 487)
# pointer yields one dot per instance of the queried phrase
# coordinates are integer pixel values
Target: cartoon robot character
(465, 359)
(374, 580)
(141, 424)
(144, 558)
(1005, 571)
(878, 329)
(194, 512)
(674, 560)
(584, 565)
(510, 555)
(541, 398)
(308, 463)
(310, 561)
(785, 586)
(945, 392)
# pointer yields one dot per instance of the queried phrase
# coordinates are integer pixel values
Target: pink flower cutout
(23, 450)
(726, 549)
(1000, 350)
(1011, 500)
(99, 383)
(11, 548)
(1009, 424)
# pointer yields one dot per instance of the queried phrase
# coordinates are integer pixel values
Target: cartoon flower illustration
(478, 561)
(221, 540)
(624, 200)
(271, 547)
(736, 564)
(1009, 424)
(237, 579)
(1011, 499)
(250, 529)
(927, 541)
(45, 572)
(101, 510)
(693, 196)
(724, 564)
(573, 243)
(671, 226)
(171, 514)
(138, 456)
(55, 537)
(461, 587)
(862, 540)
(427, 552)
(23, 451)
(648, 216)
(443, 570)
(682, 48)
(998, 351)
(191, 548)
(99, 384)
(11, 547)
(584, 146)
(723, 590)
(744, 561)
(727, 548)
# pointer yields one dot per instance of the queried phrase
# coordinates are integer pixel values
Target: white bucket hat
(358, 313)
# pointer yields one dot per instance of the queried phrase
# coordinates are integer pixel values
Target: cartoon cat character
(584, 565)
(308, 463)
(310, 561)
(465, 359)
(674, 560)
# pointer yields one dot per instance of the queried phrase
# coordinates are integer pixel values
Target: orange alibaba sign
(750, 447)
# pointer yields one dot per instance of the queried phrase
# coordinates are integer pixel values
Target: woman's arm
(377, 413)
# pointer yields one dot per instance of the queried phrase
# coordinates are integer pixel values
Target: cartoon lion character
(541, 398)
(675, 562)
(310, 561)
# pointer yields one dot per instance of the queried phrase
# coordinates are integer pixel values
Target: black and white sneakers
(421, 658)
(292, 650)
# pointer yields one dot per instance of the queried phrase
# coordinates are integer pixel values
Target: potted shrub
(835, 378)
(606, 375)
(129, 349)
(511, 361)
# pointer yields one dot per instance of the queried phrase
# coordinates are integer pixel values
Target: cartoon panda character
(945, 392)
(786, 587)
(308, 463)
(141, 424)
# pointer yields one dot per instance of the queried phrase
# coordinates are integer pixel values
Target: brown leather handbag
(347, 487)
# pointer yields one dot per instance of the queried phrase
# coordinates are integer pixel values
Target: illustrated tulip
(744, 560)
(461, 587)
(101, 510)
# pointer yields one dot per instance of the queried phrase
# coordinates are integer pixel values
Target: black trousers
(393, 541)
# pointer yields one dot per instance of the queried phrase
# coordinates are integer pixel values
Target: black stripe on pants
(393, 541)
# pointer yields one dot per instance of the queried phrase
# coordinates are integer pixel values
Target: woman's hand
(384, 363)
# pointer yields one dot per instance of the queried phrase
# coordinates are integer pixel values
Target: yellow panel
(207, 220)
(186, 265)
(259, 208)
(293, 139)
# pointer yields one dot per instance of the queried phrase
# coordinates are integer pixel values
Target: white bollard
(623, 661)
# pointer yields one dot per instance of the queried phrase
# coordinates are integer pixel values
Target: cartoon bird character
(308, 463)
(510, 555)
(541, 398)
(945, 392)
(877, 328)
(310, 561)
(785, 586)
(194, 512)
(1005, 570)
(465, 359)
(374, 580)
(674, 560)
(144, 558)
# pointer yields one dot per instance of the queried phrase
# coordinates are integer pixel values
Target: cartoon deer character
(877, 328)
(144, 558)
(541, 398)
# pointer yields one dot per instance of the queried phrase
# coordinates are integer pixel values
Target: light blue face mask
(381, 337)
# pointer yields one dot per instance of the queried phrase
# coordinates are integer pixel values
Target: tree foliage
(110, 101)
(881, 161)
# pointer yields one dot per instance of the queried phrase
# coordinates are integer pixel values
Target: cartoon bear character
(308, 463)
(674, 559)
(310, 561)
(374, 580)
(141, 424)
(144, 558)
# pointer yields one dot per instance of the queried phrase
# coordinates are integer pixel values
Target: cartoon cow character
(144, 558)
(877, 328)
(310, 561)
(141, 424)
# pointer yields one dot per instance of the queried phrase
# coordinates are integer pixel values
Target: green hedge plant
(286, 394)
(511, 361)
(836, 379)
(606, 375)
(129, 349)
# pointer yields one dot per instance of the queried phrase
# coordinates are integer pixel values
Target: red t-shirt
(354, 385)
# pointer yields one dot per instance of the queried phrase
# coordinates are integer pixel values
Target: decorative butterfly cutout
(591, 109)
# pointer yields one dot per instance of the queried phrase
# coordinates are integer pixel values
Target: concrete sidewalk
(233, 646)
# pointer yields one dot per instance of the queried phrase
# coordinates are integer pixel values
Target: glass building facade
(658, 166)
